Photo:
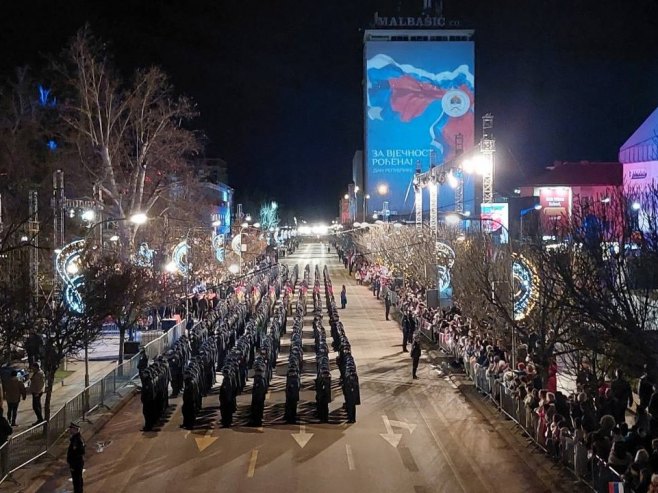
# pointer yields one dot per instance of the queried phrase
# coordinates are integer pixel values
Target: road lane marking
(252, 463)
(389, 436)
(441, 447)
(350, 457)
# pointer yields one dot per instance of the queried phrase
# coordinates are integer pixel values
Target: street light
(382, 189)
(346, 197)
(536, 207)
(138, 218)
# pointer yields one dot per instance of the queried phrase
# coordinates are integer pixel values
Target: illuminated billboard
(555, 204)
(495, 219)
(419, 96)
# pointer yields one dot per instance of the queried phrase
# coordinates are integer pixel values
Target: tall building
(419, 106)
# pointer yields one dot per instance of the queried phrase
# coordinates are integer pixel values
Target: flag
(615, 487)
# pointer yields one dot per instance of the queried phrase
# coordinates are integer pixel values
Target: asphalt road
(417, 436)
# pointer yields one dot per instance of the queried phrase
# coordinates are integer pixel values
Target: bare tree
(130, 137)
(121, 290)
(65, 333)
(606, 260)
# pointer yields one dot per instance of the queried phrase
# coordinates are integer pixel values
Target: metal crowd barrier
(427, 329)
(27, 446)
(593, 471)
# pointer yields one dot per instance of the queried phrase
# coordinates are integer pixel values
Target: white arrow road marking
(205, 441)
(302, 438)
(389, 436)
(252, 463)
(350, 457)
(401, 424)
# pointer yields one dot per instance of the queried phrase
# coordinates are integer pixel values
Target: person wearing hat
(37, 383)
(75, 456)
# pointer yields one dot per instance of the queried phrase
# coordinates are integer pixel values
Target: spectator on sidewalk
(13, 392)
(415, 356)
(33, 347)
(644, 389)
(75, 456)
(623, 394)
(343, 297)
(37, 384)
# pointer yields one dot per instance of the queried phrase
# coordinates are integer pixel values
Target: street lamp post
(523, 212)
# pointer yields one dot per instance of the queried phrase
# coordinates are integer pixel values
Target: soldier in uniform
(189, 403)
(75, 456)
(227, 399)
(292, 394)
(258, 393)
(323, 395)
(352, 395)
(415, 356)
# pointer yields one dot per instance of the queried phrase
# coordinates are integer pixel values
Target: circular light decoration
(67, 265)
(445, 259)
(179, 257)
(218, 247)
(526, 286)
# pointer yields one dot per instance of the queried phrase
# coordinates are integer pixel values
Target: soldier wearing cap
(75, 456)
(258, 393)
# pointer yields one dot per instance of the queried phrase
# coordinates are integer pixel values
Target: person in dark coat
(352, 395)
(323, 396)
(623, 394)
(387, 302)
(75, 456)
(415, 356)
(258, 393)
(292, 396)
(343, 297)
(5, 431)
(645, 389)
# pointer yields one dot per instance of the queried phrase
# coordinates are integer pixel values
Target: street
(410, 436)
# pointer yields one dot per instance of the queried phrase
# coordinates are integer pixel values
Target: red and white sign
(556, 203)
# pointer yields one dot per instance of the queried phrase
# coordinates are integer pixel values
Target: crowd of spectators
(587, 429)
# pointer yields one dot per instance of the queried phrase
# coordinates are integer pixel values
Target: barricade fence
(27, 446)
(574, 455)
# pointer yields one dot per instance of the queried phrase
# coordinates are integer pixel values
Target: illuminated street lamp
(138, 218)
(382, 189)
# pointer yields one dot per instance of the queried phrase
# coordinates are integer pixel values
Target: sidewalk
(64, 389)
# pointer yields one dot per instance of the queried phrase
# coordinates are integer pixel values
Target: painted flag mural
(419, 96)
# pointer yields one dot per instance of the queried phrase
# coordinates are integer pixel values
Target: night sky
(278, 84)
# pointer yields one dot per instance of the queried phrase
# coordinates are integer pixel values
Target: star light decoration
(526, 286)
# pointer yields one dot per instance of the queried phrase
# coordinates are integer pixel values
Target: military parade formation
(241, 338)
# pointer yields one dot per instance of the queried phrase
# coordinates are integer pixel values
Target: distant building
(561, 184)
(639, 155)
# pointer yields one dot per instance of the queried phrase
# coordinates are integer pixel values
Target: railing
(593, 471)
(27, 446)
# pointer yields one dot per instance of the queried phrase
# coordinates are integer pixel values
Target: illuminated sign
(419, 98)
(495, 219)
(638, 174)
(555, 204)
